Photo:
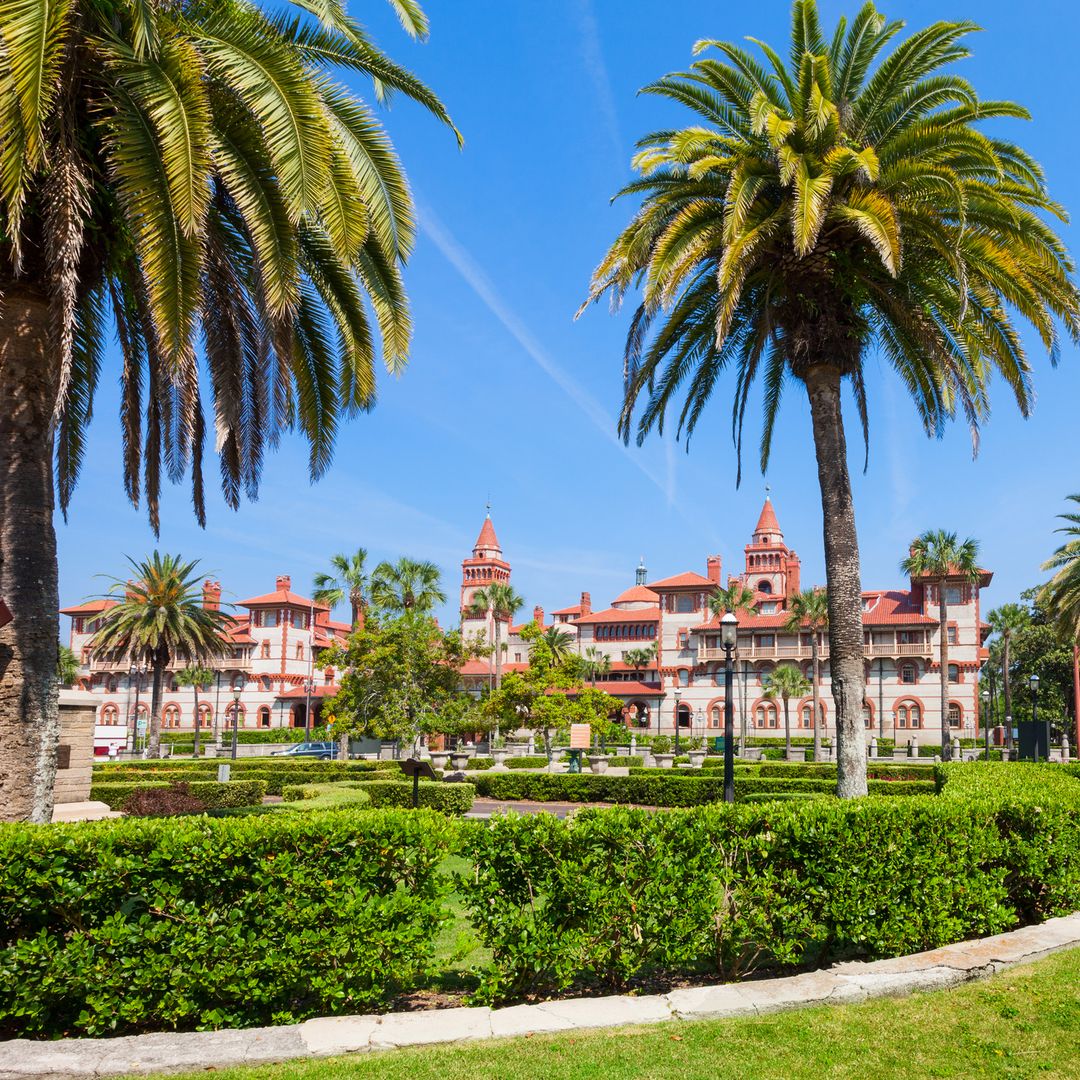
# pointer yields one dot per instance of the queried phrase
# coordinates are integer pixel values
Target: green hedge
(246, 738)
(213, 795)
(309, 797)
(447, 798)
(882, 771)
(613, 898)
(660, 787)
(243, 764)
(137, 925)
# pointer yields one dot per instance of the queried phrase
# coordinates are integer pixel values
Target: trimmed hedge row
(609, 898)
(137, 925)
(662, 788)
(305, 797)
(210, 793)
(447, 798)
(244, 764)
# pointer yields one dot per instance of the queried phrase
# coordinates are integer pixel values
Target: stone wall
(76, 757)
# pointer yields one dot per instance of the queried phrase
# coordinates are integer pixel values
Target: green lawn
(1025, 1023)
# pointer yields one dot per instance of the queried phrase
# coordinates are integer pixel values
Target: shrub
(447, 798)
(311, 797)
(530, 761)
(661, 744)
(139, 925)
(154, 801)
(212, 794)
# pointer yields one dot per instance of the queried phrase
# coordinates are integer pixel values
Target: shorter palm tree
(559, 641)
(501, 600)
(407, 586)
(349, 581)
(67, 666)
(1005, 621)
(640, 659)
(939, 557)
(735, 598)
(597, 664)
(159, 618)
(786, 682)
(810, 608)
(196, 677)
(1061, 596)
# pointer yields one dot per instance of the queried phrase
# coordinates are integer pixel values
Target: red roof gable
(90, 607)
(767, 521)
(688, 580)
(283, 597)
(575, 610)
(614, 615)
(487, 537)
(637, 594)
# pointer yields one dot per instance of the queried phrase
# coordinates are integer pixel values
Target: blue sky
(507, 397)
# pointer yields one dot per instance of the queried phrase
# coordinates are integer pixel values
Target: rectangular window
(954, 594)
(951, 634)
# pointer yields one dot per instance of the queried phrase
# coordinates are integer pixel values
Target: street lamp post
(986, 720)
(135, 673)
(678, 694)
(729, 632)
(235, 720)
(1033, 683)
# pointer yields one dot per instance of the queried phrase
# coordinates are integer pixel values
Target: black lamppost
(235, 719)
(1033, 683)
(986, 719)
(678, 694)
(729, 632)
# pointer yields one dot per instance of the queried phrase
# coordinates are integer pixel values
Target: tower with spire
(486, 567)
(772, 568)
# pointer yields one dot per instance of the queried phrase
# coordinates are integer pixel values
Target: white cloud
(593, 55)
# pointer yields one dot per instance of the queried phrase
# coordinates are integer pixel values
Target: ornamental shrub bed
(874, 771)
(117, 927)
(609, 898)
(308, 797)
(447, 798)
(210, 793)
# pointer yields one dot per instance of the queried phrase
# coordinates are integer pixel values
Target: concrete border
(67, 1059)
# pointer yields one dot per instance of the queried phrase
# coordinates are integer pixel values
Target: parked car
(323, 750)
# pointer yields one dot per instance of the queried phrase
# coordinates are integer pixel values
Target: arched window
(299, 650)
(916, 716)
(110, 714)
(113, 684)
(238, 682)
(954, 673)
(908, 673)
(764, 586)
(955, 714)
(206, 715)
(867, 715)
(264, 716)
(266, 683)
(766, 716)
(170, 716)
(264, 651)
(684, 677)
(716, 715)
(908, 714)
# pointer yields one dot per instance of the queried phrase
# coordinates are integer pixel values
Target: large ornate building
(684, 680)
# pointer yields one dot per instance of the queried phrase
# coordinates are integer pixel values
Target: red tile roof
(320, 690)
(622, 688)
(282, 596)
(487, 537)
(575, 610)
(90, 607)
(985, 576)
(688, 580)
(767, 521)
(614, 615)
(637, 594)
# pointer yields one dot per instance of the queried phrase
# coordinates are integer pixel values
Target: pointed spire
(487, 542)
(767, 524)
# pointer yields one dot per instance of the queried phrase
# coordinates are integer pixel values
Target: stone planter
(753, 753)
(439, 758)
(459, 762)
(796, 753)
(499, 757)
(697, 757)
(664, 761)
(598, 763)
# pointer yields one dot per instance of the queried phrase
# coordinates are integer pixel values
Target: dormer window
(764, 586)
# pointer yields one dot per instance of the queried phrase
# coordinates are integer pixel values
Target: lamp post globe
(729, 636)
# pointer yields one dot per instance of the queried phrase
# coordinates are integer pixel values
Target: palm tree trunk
(1076, 694)
(1008, 688)
(153, 748)
(817, 695)
(943, 660)
(195, 748)
(498, 667)
(842, 578)
(29, 717)
(787, 727)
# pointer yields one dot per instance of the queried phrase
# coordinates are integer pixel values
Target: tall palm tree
(407, 586)
(191, 179)
(597, 664)
(1061, 595)
(823, 209)
(560, 642)
(1005, 621)
(735, 598)
(501, 601)
(348, 581)
(160, 618)
(810, 609)
(786, 682)
(196, 677)
(939, 557)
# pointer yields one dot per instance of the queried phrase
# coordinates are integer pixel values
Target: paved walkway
(68, 1059)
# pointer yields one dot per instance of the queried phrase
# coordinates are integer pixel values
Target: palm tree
(196, 677)
(407, 586)
(823, 210)
(597, 664)
(810, 608)
(67, 666)
(1061, 595)
(560, 642)
(191, 179)
(786, 682)
(501, 601)
(160, 618)
(735, 598)
(348, 581)
(640, 659)
(939, 557)
(1005, 621)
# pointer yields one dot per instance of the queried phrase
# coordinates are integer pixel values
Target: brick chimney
(211, 595)
(538, 615)
(586, 604)
(284, 583)
(712, 569)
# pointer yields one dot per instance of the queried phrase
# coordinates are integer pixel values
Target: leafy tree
(409, 585)
(1061, 597)
(400, 673)
(939, 556)
(810, 608)
(349, 581)
(786, 682)
(192, 180)
(67, 666)
(1005, 621)
(834, 206)
(197, 678)
(501, 600)
(159, 618)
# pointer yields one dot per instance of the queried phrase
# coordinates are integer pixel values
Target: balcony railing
(804, 652)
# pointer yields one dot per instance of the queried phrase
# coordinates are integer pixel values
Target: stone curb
(69, 1059)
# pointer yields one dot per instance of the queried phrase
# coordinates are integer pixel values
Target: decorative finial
(767, 490)
(488, 507)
